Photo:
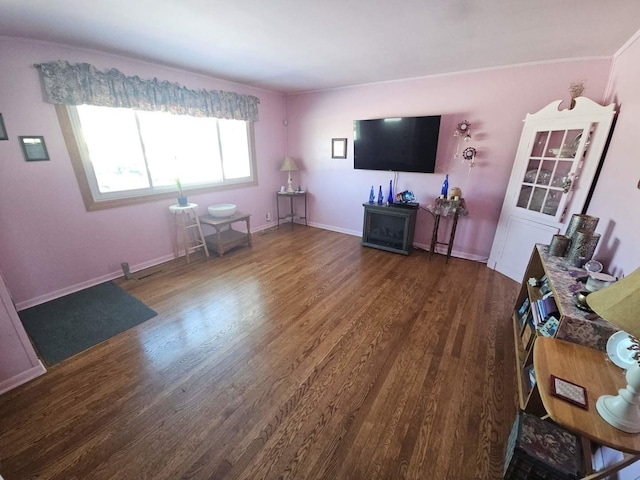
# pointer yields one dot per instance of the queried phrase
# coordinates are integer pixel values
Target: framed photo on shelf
(338, 148)
(3, 130)
(34, 148)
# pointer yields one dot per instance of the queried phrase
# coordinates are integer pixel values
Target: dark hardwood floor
(306, 356)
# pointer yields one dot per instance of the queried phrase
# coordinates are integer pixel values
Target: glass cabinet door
(553, 159)
(553, 172)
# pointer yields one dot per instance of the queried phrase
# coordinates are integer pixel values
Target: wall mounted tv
(400, 144)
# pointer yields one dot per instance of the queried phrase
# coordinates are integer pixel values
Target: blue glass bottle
(372, 195)
(380, 197)
(390, 197)
(445, 186)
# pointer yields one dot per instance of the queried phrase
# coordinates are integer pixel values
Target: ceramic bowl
(222, 210)
(597, 281)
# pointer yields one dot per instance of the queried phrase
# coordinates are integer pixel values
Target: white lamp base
(290, 185)
(623, 410)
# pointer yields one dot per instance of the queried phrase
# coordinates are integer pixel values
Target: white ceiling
(299, 45)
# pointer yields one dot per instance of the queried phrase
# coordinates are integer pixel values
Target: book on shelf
(535, 315)
(523, 310)
(545, 307)
(524, 314)
(550, 327)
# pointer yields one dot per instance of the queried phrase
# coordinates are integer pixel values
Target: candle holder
(558, 246)
(583, 246)
(585, 223)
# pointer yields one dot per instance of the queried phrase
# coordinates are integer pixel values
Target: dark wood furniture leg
(452, 236)
(434, 234)
(291, 203)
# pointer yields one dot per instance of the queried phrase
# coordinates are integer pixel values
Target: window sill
(92, 205)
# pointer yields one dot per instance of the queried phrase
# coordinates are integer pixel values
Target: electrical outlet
(268, 216)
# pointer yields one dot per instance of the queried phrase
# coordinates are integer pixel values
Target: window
(128, 156)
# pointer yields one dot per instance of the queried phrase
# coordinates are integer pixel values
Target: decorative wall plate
(469, 153)
(462, 129)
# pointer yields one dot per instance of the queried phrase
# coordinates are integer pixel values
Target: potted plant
(182, 199)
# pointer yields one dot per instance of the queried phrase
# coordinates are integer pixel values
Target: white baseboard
(358, 233)
(22, 377)
(157, 261)
(89, 283)
(355, 233)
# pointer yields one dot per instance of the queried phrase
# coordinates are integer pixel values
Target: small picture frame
(34, 148)
(338, 148)
(3, 130)
(569, 392)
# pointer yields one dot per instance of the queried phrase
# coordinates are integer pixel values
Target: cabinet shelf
(524, 338)
(574, 324)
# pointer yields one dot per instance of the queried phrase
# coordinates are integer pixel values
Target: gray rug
(70, 324)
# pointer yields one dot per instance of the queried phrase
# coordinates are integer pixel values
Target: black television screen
(401, 144)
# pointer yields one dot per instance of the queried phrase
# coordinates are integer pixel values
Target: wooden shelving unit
(573, 327)
(525, 335)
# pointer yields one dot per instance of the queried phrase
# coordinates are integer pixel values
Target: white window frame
(96, 200)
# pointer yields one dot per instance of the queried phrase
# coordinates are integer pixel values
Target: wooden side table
(291, 217)
(225, 238)
(443, 208)
(591, 369)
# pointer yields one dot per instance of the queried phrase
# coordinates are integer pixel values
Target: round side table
(188, 232)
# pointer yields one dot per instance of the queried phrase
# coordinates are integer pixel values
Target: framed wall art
(34, 148)
(338, 148)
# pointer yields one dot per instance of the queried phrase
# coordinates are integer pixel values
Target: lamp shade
(288, 165)
(619, 303)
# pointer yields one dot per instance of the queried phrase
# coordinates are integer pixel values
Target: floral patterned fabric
(551, 449)
(82, 83)
(446, 207)
(577, 326)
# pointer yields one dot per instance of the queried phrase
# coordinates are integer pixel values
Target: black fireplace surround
(389, 227)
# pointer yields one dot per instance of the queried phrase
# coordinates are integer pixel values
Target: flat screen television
(400, 144)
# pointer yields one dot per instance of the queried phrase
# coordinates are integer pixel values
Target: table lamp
(289, 165)
(619, 304)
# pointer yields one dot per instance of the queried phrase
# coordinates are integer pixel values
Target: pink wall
(494, 101)
(49, 244)
(616, 199)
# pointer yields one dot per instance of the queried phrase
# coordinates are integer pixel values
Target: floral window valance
(82, 83)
